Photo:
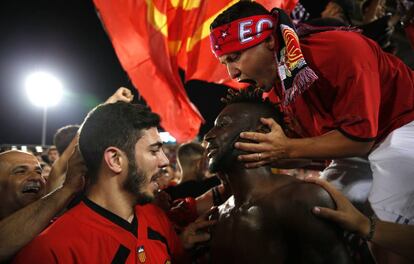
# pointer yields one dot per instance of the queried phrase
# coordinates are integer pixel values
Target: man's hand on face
(121, 95)
(268, 148)
(75, 175)
(197, 231)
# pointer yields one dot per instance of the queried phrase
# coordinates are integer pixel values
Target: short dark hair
(118, 125)
(254, 95)
(239, 10)
(188, 152)
(51, 148)
(64, 136)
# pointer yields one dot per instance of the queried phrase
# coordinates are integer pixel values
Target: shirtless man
(271, 220)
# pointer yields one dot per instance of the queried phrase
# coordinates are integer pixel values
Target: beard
(226, 158)
(135, 183)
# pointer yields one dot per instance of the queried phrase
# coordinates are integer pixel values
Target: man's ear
(114, 159)
(271, 43)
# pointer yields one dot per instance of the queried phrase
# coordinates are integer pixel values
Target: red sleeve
(357, 103)
(183, 212)
(355, 79)
(37, 251)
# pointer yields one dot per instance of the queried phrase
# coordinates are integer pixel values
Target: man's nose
(234, 72)
(163, 160)
(36, 176)
(208, 136)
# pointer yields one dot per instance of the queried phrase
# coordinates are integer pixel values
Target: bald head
(12, 152)
(10, 157)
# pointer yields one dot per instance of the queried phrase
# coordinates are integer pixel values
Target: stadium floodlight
(44, 90)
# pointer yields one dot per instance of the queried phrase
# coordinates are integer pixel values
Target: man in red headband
(342, 96)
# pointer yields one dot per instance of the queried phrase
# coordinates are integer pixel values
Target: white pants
(392, 164)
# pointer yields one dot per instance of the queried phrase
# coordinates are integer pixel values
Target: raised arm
(24, 225)
(58, 172)
(275, 145)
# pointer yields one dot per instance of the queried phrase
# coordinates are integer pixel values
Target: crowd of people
(110, 191)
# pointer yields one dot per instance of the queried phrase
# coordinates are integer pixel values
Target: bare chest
(246, 235)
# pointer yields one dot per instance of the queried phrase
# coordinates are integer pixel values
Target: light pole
(44, 90)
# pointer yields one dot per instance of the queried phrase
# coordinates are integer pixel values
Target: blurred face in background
(52, 155)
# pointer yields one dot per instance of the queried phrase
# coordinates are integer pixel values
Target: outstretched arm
(58, 172)
(275, 145)
(24, 225)
(396, 237)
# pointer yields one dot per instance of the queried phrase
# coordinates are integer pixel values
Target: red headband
(241, 34)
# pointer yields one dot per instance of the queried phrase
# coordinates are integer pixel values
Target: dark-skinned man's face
(232, 120)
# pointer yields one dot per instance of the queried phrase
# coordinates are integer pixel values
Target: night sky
(66, 39)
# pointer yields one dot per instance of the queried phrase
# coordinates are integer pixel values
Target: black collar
(130, 227)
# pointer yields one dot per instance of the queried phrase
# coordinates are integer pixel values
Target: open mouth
(154, 178)
(249, 81)
(32, 187)
(157, 175)
(253, 83)
(211, 151)
(153, 183)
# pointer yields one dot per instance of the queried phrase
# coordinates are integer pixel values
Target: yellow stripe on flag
(204, 30)
(186, 4)
(157, 18)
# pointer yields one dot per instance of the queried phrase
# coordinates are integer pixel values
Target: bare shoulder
(291, 208)
(302, 194)
(292, 204)
(310, 194)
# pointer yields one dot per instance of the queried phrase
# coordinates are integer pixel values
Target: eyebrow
(156, 144)
(19, 168)
(230, 57)
(25, 167)
(223, 118)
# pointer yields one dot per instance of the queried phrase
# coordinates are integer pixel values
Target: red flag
(153, 38)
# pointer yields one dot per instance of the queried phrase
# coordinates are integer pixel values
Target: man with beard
(27, 205)
(123, 153)
(271, 220)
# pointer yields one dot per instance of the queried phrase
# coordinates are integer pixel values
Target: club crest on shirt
(167, 261)
(141, 254)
